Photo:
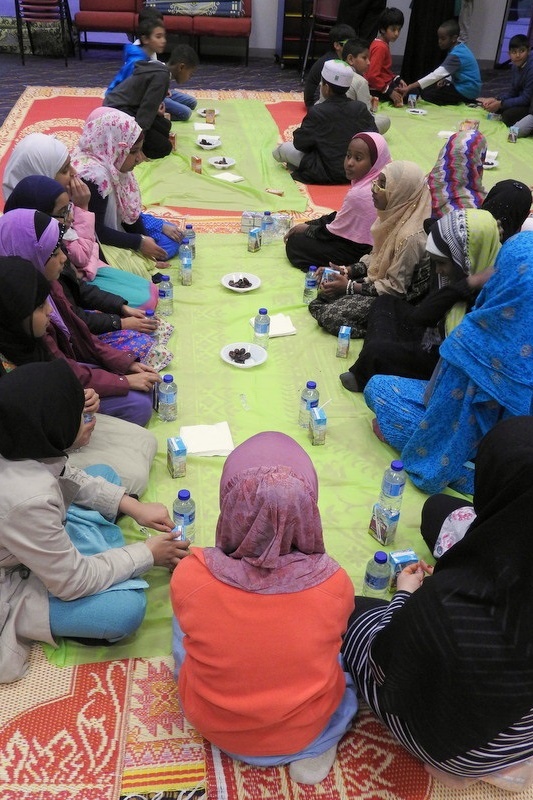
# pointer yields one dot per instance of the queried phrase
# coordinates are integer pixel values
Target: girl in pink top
(343, 237)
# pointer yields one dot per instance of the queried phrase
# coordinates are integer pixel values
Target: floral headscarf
(269, 533)
(107, 137)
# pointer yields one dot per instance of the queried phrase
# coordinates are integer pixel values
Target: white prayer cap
(337, 72)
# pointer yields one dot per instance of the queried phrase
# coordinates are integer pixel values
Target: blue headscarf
(494, 343)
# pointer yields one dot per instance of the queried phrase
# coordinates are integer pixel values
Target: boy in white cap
(319, 145)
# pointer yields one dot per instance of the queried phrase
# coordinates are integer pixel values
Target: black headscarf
(22, 290)
(458, 656)
(40, 410)
(509, 202)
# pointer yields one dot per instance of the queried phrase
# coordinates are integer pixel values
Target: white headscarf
(36, 154)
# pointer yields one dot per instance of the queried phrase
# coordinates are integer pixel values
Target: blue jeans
(114, 613)
(179, 105)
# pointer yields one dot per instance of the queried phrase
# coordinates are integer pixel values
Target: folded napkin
(207, 440)
(229, 177)
(203, 126)
(280, 325)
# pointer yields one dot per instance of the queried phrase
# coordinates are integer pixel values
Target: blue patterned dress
(485, 374)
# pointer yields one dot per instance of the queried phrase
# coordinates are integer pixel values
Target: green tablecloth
(208, 316)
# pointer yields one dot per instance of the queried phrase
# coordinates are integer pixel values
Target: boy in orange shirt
(382, 81)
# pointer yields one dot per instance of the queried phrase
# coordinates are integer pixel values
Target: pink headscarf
(358, 213)
(106, 139)
(269, 533)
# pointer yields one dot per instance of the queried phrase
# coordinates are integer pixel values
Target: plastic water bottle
(150, 314)
(190, 234)
(185, 256)
(308, 400)
(310, 286)
(377, 576)
(268, 232)
(262, 328)
(168, 399)
(184, 513)
(166, 296)
(386, 512)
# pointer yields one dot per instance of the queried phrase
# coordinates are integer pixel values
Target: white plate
(230, 162)
(202, 111)
(417, 112)
(234, 276)
(214, 141)
(257, 354)
(490, 164)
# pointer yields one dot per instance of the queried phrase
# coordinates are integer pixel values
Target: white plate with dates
(202, 111)
(258, 354)
(253, 280)
(208, 142)
(221, 162)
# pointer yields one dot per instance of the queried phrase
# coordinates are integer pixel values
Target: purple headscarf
(269, 533)
(34, 236)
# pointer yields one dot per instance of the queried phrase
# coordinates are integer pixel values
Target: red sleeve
(379, 73)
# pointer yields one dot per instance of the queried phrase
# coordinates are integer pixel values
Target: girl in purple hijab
(124, 385)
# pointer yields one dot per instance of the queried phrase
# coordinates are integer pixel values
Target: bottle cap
(380, 557)
(311, 384)
(189, 226)
(185, 241)
(165, 278)
(268, 212)
(168, 378)
(183, 494)
(149, 312)
(397, 465)
(263, 311)
(312, 268)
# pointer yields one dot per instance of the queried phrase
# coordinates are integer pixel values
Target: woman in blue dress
(485, 374)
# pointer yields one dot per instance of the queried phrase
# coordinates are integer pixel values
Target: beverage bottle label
(377, 582)
(392, 489)
(168, 397)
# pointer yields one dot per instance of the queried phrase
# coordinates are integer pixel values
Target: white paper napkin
(207, 440)
(229, 177)
(280, 325)
(203, 126)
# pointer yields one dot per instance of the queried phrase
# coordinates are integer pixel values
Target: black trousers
(434, 512)
(443, 94)
(303, 251)
(156, 142)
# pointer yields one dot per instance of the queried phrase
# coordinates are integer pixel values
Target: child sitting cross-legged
(457, 80)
